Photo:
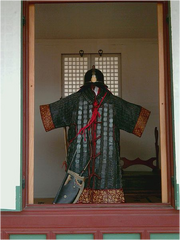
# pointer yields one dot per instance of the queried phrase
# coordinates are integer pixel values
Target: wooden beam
(31, 103)
(94, 1)
(162, 104)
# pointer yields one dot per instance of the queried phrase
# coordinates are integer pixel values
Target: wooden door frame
(164, 101)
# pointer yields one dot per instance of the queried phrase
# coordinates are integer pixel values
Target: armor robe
(99, 141)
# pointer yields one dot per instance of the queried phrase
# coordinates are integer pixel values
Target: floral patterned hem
(102, 196)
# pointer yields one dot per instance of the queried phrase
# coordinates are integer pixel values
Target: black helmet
(94, 76)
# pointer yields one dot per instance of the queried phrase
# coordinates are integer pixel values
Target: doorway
(126, 29)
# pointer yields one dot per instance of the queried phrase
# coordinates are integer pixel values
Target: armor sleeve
(58, 114)
(131, 117)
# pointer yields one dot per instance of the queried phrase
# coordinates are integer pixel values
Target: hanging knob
(100, 52)
(81, 53)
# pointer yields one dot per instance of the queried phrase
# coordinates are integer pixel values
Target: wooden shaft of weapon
(156, 147)
(65, 139)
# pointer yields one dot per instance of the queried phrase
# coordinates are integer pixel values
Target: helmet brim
(97, 83)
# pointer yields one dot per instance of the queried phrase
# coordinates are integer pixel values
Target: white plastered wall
(139, 74)
(10, 103)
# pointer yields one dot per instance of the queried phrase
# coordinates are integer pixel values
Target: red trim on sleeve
(46, 117)
(141, 122)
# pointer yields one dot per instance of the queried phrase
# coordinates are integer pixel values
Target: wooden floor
(134, 198)
(43, 200)
(139, 187)
(142, 199)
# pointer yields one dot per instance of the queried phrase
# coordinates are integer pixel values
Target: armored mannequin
(94, 117)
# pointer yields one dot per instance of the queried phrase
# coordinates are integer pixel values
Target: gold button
(65, 196)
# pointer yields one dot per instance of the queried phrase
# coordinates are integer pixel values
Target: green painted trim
(177, 200)
(27, 236)
(164, 236)
(7, 210)
(122, 236)
(74, 236)
(176, 186)
(18, 198)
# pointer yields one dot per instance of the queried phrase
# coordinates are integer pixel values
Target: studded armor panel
(100, 141)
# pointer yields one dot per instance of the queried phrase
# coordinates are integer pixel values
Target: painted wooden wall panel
(164, 236)
(75, 236)
(27, 236)
(122, 236)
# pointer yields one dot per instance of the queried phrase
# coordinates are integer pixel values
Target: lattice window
(75, 67)
(109, 66)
